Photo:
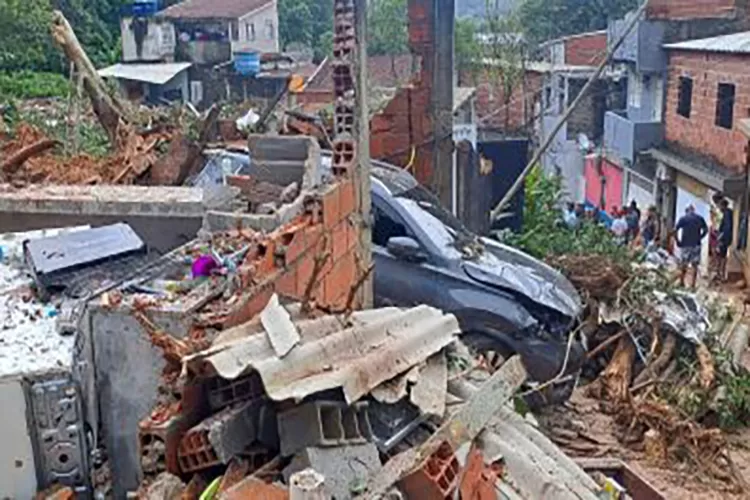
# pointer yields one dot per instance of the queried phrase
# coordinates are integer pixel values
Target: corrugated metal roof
(156, 73)
(374, 347)
(30, 342)
(736, 43)
(212, 9)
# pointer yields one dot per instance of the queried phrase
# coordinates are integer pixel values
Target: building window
(725, 105)
(270, 32)
(685, 97)
(250, 32)
(547, 98)
(235, 28)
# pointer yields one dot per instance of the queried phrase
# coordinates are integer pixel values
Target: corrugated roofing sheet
(156, 73)
(212, 9)
(736, 43)
(374, 347)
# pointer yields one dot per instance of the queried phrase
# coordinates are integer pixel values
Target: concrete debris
(165, 487)
(323, 423)
(307, 485)
(346, 468)
(282, 333)
(253, 487)
(462, 426)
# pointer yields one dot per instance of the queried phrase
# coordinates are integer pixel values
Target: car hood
(510, 269)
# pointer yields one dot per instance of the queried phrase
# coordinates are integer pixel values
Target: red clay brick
(251, 305)
(331, 212)
(682, 9)
(340, 280)
(347, 201)
(587, 49)
(287, 283)
(436, 479)
(254, 488)
(699, 132)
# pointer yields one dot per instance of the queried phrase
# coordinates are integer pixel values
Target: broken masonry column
(351, 140)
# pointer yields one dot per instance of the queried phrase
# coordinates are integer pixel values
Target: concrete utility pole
(351, 141)
(442, 96)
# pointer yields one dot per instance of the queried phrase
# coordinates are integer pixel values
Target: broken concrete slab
(164, 217)
(279, 327)
(346, 468)
(538, 467)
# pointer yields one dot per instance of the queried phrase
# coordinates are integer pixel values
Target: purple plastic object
(204, 266)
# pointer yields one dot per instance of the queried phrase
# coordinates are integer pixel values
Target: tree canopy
(548, 19)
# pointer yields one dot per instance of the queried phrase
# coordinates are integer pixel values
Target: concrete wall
(164, 217)
(699, 132)
(17, 468)
(259, 31)
(128, 375)
(158, 42)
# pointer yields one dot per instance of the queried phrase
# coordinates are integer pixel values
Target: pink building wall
(612, 187)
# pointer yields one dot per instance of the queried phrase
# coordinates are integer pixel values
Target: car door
(398, 282)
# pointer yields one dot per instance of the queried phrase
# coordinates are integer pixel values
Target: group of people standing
(629, 227)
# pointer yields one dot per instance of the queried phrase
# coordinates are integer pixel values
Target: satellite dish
(584, 143)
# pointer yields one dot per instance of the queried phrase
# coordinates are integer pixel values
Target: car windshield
(445, 230)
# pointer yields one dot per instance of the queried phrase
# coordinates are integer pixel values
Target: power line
(548, 141)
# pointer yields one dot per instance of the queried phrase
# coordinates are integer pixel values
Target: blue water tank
(247, 63)
(141, 8)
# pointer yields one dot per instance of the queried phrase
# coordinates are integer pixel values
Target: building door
(686, 198)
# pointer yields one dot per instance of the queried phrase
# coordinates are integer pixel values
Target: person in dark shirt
(690, 231)
(650, 228)
(726, 235)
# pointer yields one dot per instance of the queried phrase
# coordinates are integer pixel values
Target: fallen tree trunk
(16, 160)
(108, 109)
(662, 360)
(618, 374)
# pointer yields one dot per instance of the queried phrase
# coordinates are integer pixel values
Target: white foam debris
(29, 342)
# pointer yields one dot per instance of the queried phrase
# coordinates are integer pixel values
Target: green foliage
(26, 44)
(544, 235)
(309, 23)
(29, 85)
(387, 27)
(467, 48)
(548, 19)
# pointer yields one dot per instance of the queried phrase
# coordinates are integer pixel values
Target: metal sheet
(377, 346)
(156, 73)
(736, 43)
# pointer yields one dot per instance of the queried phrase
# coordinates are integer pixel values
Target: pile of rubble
(662, 364)
(377, 404)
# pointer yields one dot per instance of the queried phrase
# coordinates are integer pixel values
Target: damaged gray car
(506, 301)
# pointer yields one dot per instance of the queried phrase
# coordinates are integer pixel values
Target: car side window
(387, 223)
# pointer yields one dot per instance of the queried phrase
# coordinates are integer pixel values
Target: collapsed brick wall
(315, 253)
(682, 9)
(492, 111)
(588, 49)
(700, 132)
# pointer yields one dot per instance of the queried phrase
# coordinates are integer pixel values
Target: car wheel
(496, 353)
